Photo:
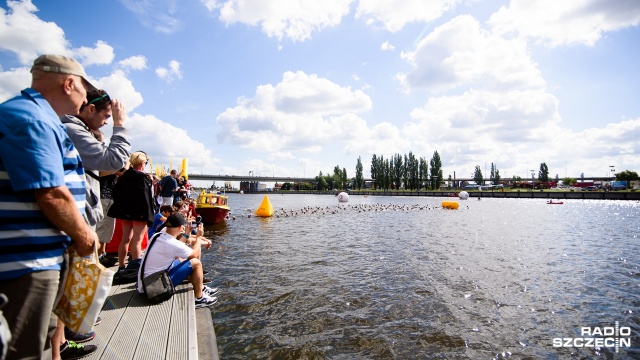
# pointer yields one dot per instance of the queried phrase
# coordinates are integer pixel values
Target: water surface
(399, 277)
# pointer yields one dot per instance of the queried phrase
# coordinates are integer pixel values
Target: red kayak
(555, 202)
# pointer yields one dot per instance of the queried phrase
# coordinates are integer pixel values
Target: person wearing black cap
(41, 179)
(172, 245)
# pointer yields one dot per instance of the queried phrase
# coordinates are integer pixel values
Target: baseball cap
(62, 65)
(176, 220)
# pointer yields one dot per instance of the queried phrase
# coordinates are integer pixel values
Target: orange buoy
(453, 205)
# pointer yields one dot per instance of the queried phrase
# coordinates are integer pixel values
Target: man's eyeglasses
(104, 97)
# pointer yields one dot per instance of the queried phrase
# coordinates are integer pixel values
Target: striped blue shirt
(35, 153)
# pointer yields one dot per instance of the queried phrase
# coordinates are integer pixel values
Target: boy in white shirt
(171, 251)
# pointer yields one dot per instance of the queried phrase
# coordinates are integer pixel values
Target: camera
(194, 224)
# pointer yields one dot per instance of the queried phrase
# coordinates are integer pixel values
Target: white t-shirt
(165, 249)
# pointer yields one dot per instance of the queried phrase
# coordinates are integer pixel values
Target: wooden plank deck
(132, 328)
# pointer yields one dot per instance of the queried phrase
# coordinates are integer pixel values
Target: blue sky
(294, 87)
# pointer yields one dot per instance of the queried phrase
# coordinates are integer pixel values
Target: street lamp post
(533, 182)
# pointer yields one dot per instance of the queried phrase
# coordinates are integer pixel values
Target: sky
(295, 87)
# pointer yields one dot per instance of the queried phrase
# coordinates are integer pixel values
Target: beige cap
(63, 65)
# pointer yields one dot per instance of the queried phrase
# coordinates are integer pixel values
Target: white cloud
(24, 34)
(302, 112)
(211, 5)
(159, 15)
(394, 15)
(386, 46)
(101, 54)
(138, 62)
(460, 53)
(293, 19)
(170, 73)
(557, 23)
(382, 139)
(120, 87)
(12, 81)
(150, 134)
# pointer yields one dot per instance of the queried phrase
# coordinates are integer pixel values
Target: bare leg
(102, 249)
(139, 229)
(196, 277)
(56, 340)
(123, 249)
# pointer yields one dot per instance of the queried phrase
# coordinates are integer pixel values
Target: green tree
(412, 171)
(397, 173)
(567, 181)
(423, 173)
(321, 182)
(330, 180)
(406, 173)
(359, 180)
(343, 178)
(388, 174)
(477, 176)
(286, 186)
(543, 174)
(337, 175)
(627, 175)
(375, 172)
(495, 175)
(436, 171)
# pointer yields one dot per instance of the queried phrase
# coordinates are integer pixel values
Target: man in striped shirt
(42, 194)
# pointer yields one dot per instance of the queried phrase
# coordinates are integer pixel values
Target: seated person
(159, 219)
(171, 251)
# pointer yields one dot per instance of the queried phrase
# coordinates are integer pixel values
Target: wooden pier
(132, 328)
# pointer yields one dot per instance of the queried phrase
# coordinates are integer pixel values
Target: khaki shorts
(105, 228)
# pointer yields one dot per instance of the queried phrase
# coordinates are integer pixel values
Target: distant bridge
(283, 179)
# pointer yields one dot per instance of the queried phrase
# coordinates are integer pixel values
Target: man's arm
(60, 208)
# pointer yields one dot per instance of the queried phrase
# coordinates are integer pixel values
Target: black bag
(157, 286)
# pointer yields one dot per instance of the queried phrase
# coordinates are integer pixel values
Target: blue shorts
(180, 271)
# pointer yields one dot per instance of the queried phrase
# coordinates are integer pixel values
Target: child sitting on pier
(172, 252)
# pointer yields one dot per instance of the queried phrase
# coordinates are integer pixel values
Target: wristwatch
(184, 235)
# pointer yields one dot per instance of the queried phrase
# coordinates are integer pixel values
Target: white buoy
(463, 195)
(343, 197)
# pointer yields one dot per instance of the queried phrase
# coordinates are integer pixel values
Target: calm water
(398, 278)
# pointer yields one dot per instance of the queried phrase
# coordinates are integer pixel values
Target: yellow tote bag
(86, 287)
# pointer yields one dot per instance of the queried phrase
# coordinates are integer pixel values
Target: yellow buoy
(453, 205)
(265, 209)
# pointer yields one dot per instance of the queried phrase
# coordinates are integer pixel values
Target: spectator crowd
(62, 185)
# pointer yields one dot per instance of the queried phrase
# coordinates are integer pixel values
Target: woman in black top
(133, 205)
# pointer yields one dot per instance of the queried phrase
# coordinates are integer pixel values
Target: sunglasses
(104, 97)
(142, 153)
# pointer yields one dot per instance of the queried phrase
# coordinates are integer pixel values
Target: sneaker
(205, 272)
(70, 350)
(205, 301)
(107, 261)
(209, 291)
(206, 280)
(78, 337)
(133, 264)
(98, 321)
